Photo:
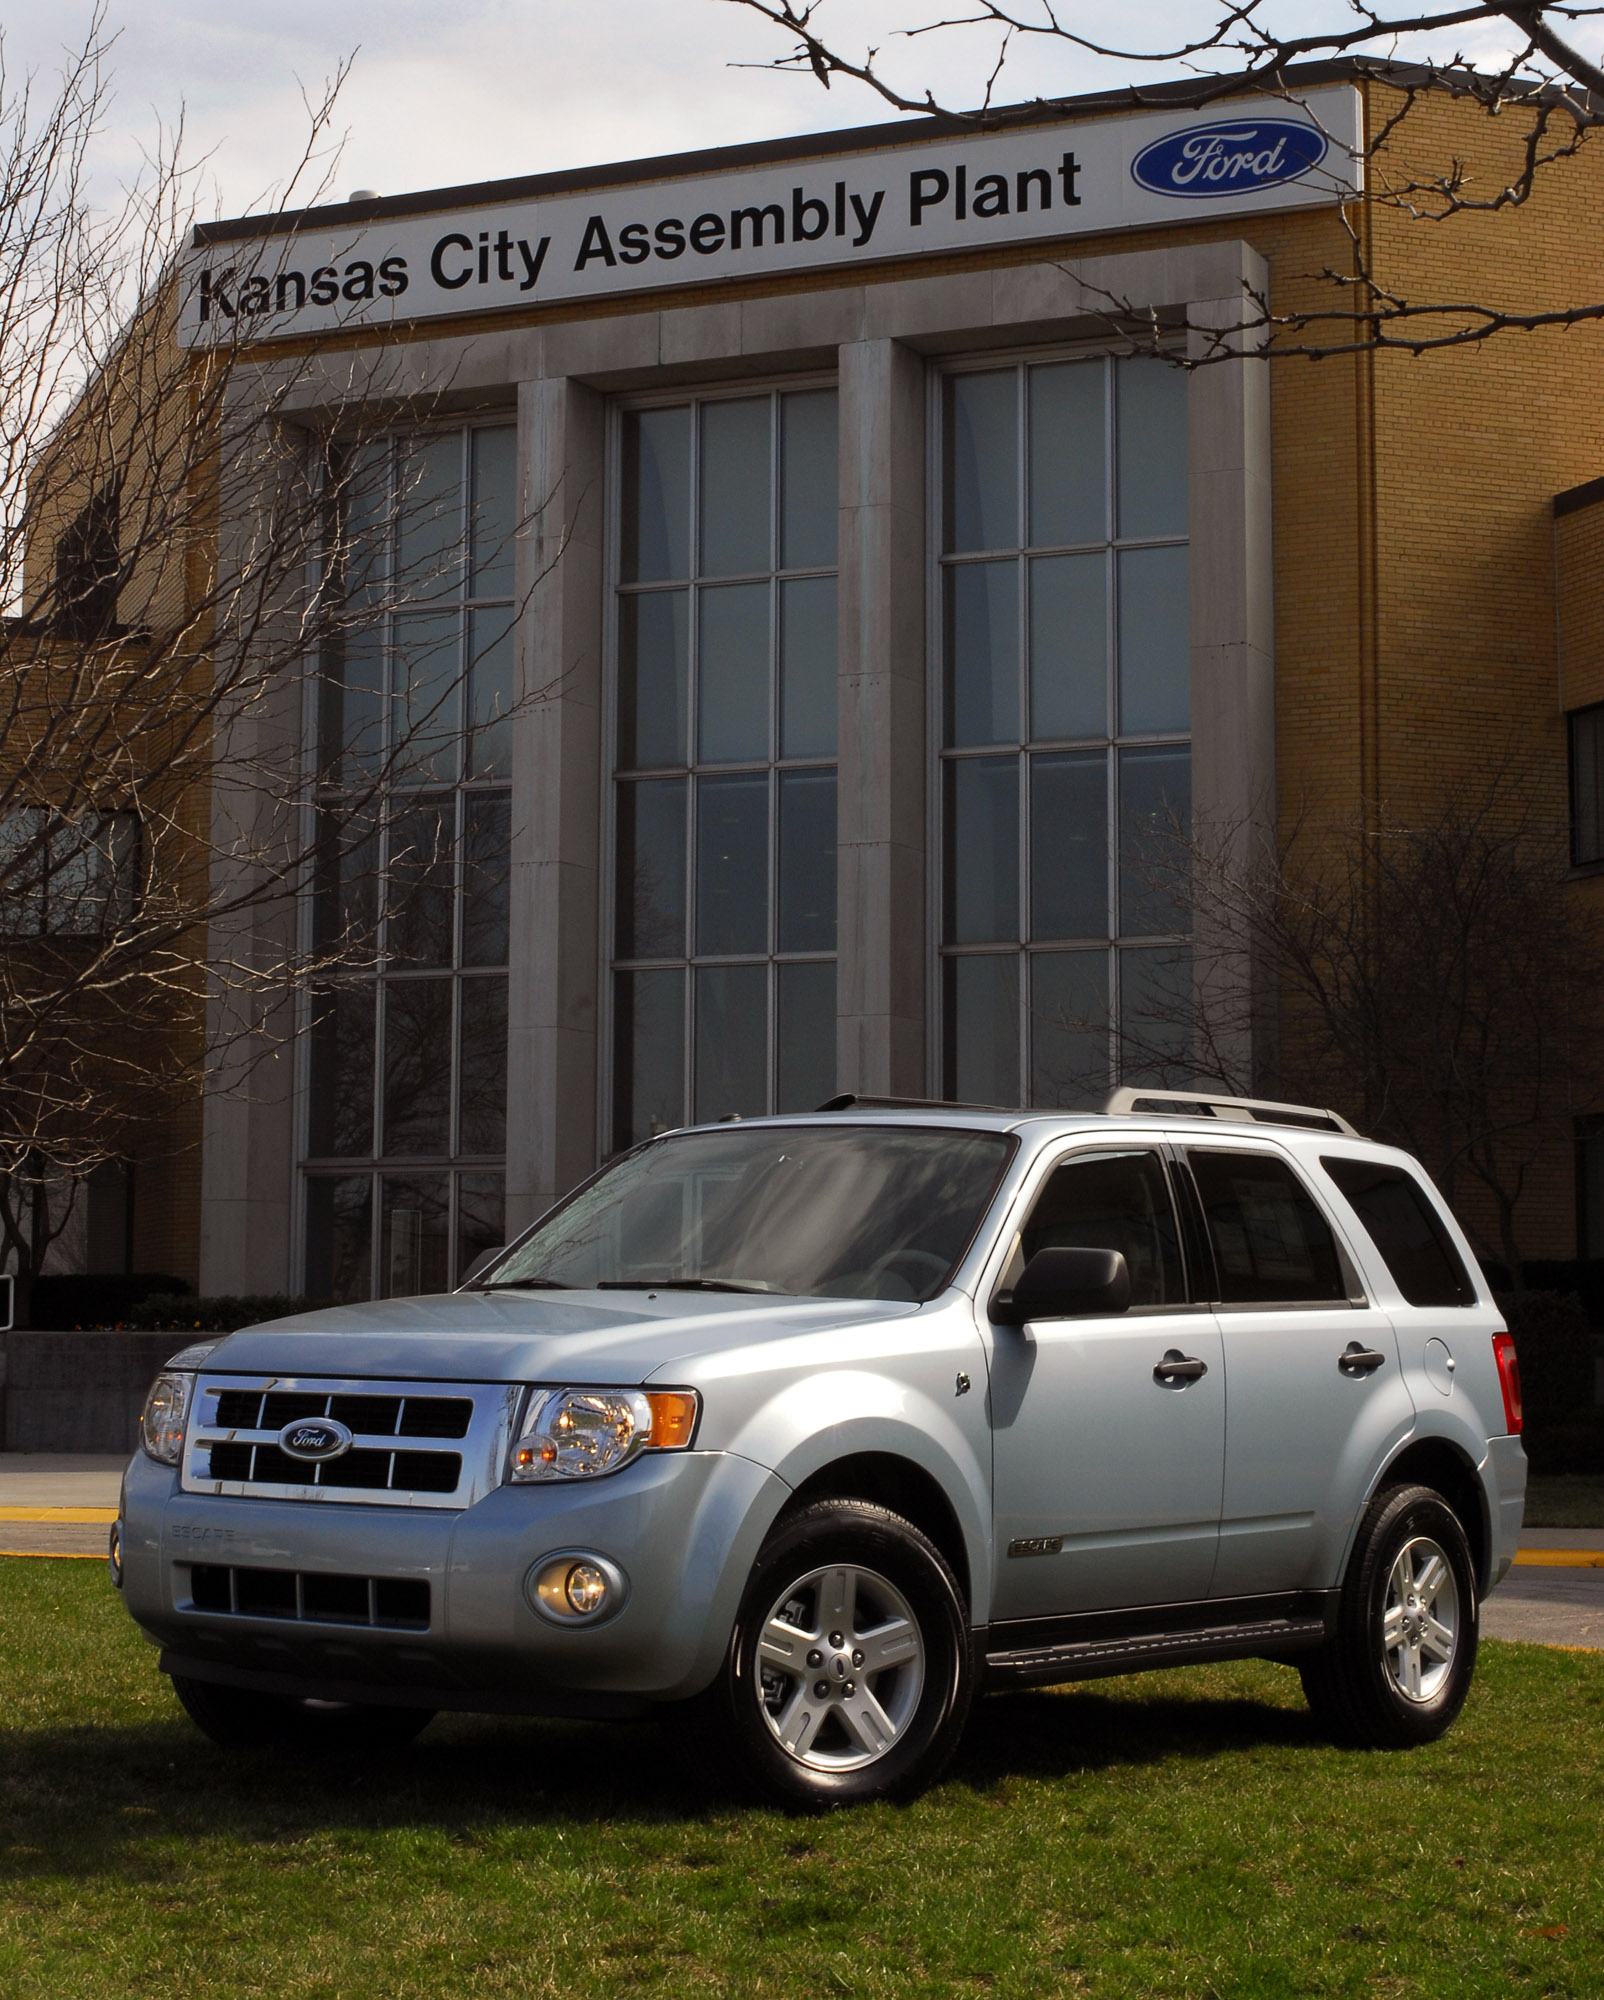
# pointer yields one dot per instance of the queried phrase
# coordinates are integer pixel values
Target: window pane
(1155, 660)
(417, 1065)
(1150, 419)
(361, 486)
(651, 869)
(1271, 1243)
(495, 456)
(732, 1033)
(350, 726)
(1156, 1016)
(1069, 846)
(429, 517)
(1155, 815)
(415, 1235)
(1068, 1028)
(425, 673)
(734, 476)
(653, 671)
(481, 1218)
(1587, 785)
(981, 1022)
(983, 461)
(345, 902)
(983, 653)
(732, 865)
(1069, 646)
(1114, 1201)
(657, 495)
(807, 861)
(732, 685)
(808, 479)
(419, 899)
(486, 867)
(340, 1079)
(982, 860)
(1068, 453)
(339, 1239)
(805, 1037)
(1405, 1227)
(490, 694)
(808, 667)
(648, 1054)
(482, 1072)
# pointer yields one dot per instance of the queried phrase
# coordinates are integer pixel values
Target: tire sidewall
(1400, 1517)
(875, 1539)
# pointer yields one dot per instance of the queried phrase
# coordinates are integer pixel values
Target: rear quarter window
(1401, 1220)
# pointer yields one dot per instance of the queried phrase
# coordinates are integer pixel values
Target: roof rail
(850, 1101)
(1239, 1110)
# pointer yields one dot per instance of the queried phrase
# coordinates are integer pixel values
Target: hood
(531, 1336)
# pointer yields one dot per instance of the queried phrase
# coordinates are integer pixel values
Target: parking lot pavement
(1547, 1606)
(57, 1503)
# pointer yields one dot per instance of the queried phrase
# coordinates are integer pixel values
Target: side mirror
(1066, 1284)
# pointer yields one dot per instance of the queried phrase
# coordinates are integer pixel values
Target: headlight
(583, 1433)
(166, 1412)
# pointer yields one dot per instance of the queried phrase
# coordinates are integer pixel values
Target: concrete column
(556, 798)
(880, 1047)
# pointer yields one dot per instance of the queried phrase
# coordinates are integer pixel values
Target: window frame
(1592, 713)
(938, 755)
(614, 590)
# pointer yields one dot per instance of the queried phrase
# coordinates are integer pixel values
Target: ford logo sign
(314, 1439)
(1234, 158)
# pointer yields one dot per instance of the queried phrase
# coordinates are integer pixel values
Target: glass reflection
(808, 479)
(982, 859)
(1069, 846)
(657, 495)
(735, 487)
(482, 1067)
(732, 1033)
(1151, 455)
(417, 1065)
(804, 1039)
(1068, 1028)
(808, 667)
(1157, 1012)
(981, 1028)
(651, 869)
(733, 673)
(486, 867)
(807, 861)
(428, 539)
(414, 1235)
(425, 672)
(732, 865)
(339, 1238)
(490, 694)
(983, 461)
(1068, 453)
(1155, 657)
(419, 886)
(1155, 824)
(1069, 646)
(340, 1083)
(481, 1218)
(648, 1054)
(495, 454)
(983, 653)
(653, 678)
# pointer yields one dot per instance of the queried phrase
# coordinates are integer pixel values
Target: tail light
(1508, 1379)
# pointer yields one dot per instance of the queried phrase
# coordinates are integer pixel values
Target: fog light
(576, 1588)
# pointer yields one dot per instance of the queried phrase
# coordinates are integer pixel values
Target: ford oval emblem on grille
(1234, 158)
(314, 1438)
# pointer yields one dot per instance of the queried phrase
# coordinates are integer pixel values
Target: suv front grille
(386, 1601)
(412, 1444)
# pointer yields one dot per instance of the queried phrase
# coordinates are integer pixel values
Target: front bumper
(684, 1529)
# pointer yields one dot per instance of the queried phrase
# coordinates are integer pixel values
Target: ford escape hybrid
(822, 1425)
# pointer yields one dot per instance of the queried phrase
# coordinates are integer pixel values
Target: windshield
(837, 1212)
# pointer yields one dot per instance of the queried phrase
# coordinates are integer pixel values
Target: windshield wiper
(680, 1285)
(524, 1285)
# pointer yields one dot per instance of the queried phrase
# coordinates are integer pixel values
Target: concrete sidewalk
(45, 1498)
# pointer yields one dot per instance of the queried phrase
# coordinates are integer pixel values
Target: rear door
(1314, 1393)
(1106, 1471)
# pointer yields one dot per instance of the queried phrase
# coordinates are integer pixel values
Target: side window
(1113, 1201)
(1404, 1226)
(1272, 1245)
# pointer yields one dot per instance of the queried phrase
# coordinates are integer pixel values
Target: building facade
(824, 604)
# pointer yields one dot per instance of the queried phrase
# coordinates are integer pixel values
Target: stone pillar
(556, 798)
(880, 1047)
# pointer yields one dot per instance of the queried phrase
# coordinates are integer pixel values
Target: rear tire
(241, 1719)
(1398, 1668)
(850, 1671)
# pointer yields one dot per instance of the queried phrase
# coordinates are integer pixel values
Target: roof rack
(1238, 1110)
(850, 1101)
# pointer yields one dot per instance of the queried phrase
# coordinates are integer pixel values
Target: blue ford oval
(1229, 158)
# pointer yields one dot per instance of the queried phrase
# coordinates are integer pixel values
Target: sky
(443, 92)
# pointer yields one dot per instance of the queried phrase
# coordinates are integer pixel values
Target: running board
(1091, 1659)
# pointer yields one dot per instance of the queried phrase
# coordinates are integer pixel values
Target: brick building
(869, 596)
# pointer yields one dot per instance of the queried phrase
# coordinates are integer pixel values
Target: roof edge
(1588, 494)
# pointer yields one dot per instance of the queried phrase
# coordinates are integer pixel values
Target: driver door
(1106, 1477)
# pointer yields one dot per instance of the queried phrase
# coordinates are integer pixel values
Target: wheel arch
(1442, 1465)
(906, 1488)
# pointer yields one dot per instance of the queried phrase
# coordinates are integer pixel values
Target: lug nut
(849, 1687)
(857, 1657)
(835, 1638)
(815, 1658)
(821, 1690)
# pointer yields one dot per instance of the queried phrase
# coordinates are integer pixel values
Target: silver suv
(815, 1427)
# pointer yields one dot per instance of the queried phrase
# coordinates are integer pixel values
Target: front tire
(1398, 1669)
(850, 1671)
(241, 1719)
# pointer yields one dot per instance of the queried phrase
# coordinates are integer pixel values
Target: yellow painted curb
(64, 1515)
(52, 1555)
(1561, 1558)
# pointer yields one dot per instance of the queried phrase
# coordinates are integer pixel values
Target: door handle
(1356, 1359)
(1179, 1367)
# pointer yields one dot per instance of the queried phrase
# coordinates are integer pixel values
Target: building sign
(1076, 178)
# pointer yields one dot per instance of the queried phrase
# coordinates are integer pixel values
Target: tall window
(1065, 718)
(1587, 784)
(725, 743)
(406, 1087)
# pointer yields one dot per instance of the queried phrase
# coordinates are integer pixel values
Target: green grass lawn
(1173, 1834)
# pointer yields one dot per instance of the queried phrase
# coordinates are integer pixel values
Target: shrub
(178, 1313)
(1555, 1346)
(59, 1305)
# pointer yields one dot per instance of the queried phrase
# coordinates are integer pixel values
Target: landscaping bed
(1178, 1834)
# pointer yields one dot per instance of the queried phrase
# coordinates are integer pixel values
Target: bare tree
(1545, 90)
(188, 539)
